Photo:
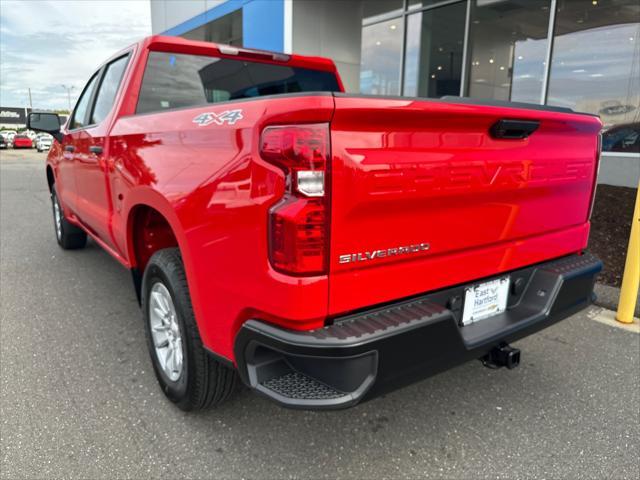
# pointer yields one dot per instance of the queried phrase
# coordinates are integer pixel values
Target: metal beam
(549, 54)
(465, 51)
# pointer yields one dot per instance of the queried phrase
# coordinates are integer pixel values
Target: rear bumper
(363, 355)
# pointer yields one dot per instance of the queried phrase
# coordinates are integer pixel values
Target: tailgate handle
(513, 129)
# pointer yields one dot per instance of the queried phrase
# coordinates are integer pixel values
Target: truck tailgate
(424, 197)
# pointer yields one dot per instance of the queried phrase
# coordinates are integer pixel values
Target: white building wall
(330, 29)
(166, 14)
(620, 170)
(158, 17)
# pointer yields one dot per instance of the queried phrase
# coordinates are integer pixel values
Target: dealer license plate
(485, 300)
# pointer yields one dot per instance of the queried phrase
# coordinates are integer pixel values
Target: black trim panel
(363, 355)
(468, 101)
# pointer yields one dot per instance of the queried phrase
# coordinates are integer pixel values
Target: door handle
(513, 129)
(95, 149)
(69, 148)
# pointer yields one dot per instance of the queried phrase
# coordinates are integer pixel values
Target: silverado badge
(388, 252)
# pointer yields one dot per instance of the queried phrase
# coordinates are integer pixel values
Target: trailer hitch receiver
(502, 356)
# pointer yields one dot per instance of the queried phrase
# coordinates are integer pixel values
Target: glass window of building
(375, 10)
(417, 4)
(226, 30)
(381, 57)
(433, 57)
(507, 49)
(596, 66)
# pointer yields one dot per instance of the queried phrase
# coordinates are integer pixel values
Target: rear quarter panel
(216, 192)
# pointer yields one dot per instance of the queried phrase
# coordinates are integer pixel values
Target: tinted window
(507, 49)
(433, 53)
(108, 89)
(596, 65)
(374, 10)
(80, 113)
(226, 29)
(177, 80)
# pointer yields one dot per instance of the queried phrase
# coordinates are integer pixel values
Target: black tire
(68, 235)
(203, 382)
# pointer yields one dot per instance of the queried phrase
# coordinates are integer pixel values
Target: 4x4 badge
(228, 116)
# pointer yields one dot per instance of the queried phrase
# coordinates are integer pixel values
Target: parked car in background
(623, 138)
(9, 135)
(324, 247)
(43, 142)
(31, 134)
(22, 141)
(3, 142)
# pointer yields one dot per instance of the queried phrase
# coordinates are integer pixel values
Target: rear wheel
(68, 235)
(188, 375)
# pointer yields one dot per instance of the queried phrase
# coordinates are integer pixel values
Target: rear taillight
(298, 224)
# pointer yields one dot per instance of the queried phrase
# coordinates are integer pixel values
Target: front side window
(108, 89)
(174, 80)
(80, 113)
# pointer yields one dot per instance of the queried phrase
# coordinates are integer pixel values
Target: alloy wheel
(165, 331)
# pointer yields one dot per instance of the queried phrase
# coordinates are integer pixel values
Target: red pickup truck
(322, 247)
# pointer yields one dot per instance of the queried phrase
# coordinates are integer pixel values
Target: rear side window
(80, 113)
(174, 80)
(108, 89)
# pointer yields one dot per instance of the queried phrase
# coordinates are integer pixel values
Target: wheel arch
(51, 179)
(152, 225)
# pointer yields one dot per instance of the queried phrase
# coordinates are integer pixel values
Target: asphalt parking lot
(78, 397)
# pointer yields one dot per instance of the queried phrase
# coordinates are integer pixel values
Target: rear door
(425, 197)
(94, 203)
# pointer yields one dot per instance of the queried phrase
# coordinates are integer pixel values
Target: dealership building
(581, 54)
(13, 118)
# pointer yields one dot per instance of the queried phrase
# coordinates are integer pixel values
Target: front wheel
(68, 235)
(188, 375)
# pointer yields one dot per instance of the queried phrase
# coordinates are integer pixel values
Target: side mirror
(45, 122)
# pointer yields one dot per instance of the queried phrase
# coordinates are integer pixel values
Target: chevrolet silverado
(320, 246)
